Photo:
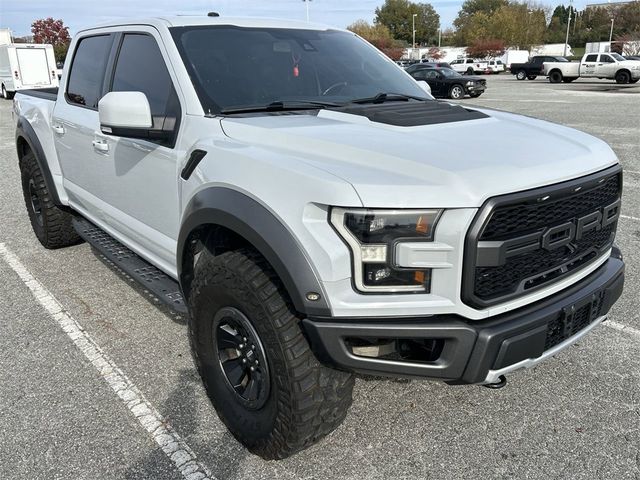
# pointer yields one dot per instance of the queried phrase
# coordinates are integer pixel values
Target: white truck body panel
(27, 66)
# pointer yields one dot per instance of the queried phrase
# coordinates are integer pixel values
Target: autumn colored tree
(380, 37)
(48, 30)
(489, 48)
(434, 53)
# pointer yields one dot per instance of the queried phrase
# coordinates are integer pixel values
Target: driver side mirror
(128, 115)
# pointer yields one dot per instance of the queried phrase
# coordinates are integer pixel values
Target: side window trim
(66, 87)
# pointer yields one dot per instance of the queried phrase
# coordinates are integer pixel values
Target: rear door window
(88, 70)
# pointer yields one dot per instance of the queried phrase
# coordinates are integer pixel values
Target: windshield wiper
(281, 106)
(388, 97)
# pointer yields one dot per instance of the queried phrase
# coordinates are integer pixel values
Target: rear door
(33, 66)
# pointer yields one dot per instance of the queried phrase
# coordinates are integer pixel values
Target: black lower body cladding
(464, 351)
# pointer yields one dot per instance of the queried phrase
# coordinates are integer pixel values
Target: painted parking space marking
(144, 412)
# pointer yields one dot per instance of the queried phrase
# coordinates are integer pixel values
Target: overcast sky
(18, 14)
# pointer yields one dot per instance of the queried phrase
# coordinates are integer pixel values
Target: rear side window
(140, 68)
(88, 69)
(591, 58)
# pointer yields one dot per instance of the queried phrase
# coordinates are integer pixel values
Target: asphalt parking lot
(575, 416)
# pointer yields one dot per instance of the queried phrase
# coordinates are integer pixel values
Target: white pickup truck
(594, 65)
(316, 214)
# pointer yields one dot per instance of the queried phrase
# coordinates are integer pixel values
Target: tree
(380, 37)
(397, 16)
(51, 31)
(471, 16)
(629, 43)
(435, 54)
(486, 48)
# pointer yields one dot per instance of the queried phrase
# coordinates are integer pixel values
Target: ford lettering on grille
(525, 241)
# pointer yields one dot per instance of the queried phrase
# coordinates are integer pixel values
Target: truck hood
(448, 165)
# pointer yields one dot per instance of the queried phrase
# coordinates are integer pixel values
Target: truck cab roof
(203, 20)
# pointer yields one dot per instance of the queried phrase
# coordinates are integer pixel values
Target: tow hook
(502, 382)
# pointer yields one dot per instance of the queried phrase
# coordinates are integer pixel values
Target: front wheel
(456, 92)
(257, 367)
(470, 71)
(623, 77)
(521, 74)
(555, 77)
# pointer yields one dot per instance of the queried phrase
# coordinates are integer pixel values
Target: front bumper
(476, 88)
(472, 352)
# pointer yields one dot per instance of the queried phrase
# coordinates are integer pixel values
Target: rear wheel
(555, 76)
(51, 224)
(456, 92)
(623, 77)
(521, 74)
(257, 367)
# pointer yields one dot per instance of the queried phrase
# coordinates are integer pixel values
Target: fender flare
(25, 131)
(228, 208)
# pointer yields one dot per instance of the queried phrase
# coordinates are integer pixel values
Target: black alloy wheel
(242, 357)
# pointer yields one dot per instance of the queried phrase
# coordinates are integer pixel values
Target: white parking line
(145, 413)
(622, 328)
(628, 217)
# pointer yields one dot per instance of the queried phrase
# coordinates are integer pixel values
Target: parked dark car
(419, 66)
(533, 67)
(447, 83)
(632, 57)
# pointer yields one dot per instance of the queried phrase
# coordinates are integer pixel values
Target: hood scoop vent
(413, 114)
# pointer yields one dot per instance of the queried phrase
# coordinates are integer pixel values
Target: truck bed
(50, 93)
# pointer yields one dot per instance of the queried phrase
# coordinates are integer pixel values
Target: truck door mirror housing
(128, 114)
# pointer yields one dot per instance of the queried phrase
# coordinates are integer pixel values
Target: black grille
(531, 216)
(531, 213)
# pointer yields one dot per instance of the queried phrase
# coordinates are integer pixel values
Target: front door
(130, 186)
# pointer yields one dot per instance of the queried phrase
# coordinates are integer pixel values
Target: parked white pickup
(594, 65)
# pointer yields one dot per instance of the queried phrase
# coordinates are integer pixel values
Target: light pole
(306, 2)
(566, 40)
(413, 45)
(439, 36)
(611, 34)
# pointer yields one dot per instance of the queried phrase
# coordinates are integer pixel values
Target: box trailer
(26, 66)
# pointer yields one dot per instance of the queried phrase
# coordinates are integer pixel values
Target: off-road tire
(52, 225)
(623, 77)
(306, 400)
(521, 75)
(555, 77)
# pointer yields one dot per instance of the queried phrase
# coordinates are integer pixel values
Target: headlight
(470, 83)
(372, 236)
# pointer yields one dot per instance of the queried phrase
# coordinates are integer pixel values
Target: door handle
(59, 129)
(100, 145)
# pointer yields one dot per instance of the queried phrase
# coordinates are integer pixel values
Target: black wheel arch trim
(25, 131)
(236, 211)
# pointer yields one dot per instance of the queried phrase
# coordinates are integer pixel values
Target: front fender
(249, 219)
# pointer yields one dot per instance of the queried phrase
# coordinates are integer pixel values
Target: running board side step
(159, 284)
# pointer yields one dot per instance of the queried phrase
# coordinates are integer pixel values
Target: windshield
(449, 73)
(618, 57)
(235, 67)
